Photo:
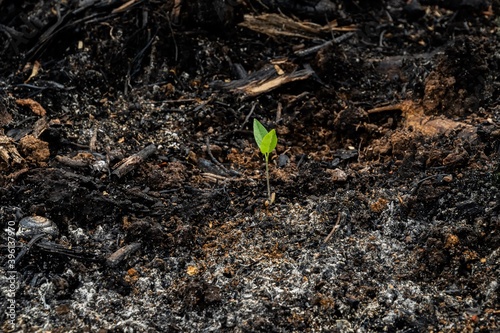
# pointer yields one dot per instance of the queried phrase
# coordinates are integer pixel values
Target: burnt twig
(335, 227)
(314, 49)
(219, 164)
(130, 163)
(26, 248)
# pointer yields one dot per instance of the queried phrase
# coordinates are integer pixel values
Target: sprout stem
(267, 178)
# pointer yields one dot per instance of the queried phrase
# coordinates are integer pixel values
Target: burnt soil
(129, 126)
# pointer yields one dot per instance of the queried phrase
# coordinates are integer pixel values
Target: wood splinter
(130, 163)
(335, 227)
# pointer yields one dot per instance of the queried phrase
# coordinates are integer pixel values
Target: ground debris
(130, 163)
(385, 175)
(276, 25)
(121, 254)
(266, 79)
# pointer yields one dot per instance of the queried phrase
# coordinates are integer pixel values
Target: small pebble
(283, 160)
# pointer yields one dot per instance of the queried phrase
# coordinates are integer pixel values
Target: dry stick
(314, 49)
(421, 181)
(52, 247)
(93, 139)
(219, 164)
(26, 249)
(215, 177)
(124, 7)
(278, 112)
(248, 115)
(394, 107)
(128, 164)
(121, 254)
(335, 227)
(71, 162)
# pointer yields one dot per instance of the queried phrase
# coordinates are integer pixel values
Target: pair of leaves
(266, 141)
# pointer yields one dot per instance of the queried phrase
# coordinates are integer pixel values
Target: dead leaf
(34, 71)
(33, 105)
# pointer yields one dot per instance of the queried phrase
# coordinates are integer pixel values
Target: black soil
(128, 126)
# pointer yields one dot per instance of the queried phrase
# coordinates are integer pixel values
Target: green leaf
(269, 142)
(259, 132)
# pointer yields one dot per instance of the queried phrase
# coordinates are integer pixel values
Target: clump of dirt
(463, 80)
(34, 150)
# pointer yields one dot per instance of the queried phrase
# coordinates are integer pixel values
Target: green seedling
(266, 141)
